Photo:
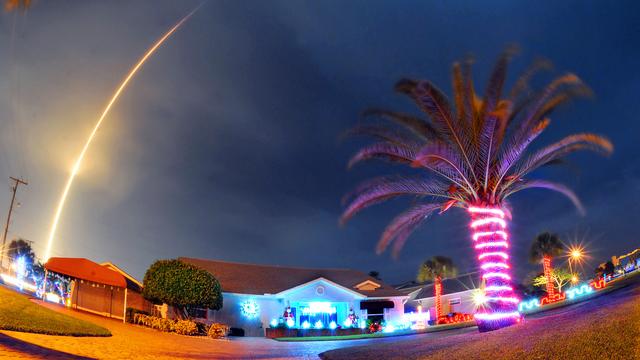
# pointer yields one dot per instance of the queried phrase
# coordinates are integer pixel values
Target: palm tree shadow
(25, 348)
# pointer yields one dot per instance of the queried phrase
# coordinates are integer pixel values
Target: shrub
(131, 313)
(186, 327)
(217, 331)
(181, 285)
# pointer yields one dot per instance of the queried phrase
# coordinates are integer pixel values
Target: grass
(606, 327)
(379, 334)
(17, 313)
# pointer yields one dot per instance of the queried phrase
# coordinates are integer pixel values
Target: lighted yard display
(473, 156)
(250, 309)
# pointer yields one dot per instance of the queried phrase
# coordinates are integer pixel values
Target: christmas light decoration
(528, 305)
(306, 325)
(250, 309)
(274, 323)
(457, 318)
(578, 291)
(438, 288)
(318, 325)
(553, 298)
(333, 325)
(499, 306)
(598, 284)
(347, 323)
(290, 323)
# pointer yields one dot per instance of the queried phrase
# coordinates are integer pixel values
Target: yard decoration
(181, 285)
(544, 248)
(475, 154)
(437, 268)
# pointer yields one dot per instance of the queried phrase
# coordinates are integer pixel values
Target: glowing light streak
(478, 235)
(492, 265)
(105, 112)
(479, 210)
(52, 297)
(8, 279)
(503, 299)
(495, 253)
(492, 244)
(497, 315)
(498, 288)
(488, 221)
(496, 275)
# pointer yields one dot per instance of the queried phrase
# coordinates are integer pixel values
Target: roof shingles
(255, 279)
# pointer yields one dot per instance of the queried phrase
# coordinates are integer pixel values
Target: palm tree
(472, 157)
(436, 269)
(544, 248)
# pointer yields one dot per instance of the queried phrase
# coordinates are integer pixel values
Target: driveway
(135, 342)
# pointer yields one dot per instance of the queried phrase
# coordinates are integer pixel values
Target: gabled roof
(255, 279)
(132, 283)
(85, 269)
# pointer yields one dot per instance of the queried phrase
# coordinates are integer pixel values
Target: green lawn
(17, 313)
(379, 334)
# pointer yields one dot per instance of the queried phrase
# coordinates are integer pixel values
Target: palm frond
(400, 228)
(384, 133)
(549, 185)
(493, 92)
(522, 84)
(435, 104)
(569, 144)
(413, 123)
(384, 150)
(384, 188)
(440, 156)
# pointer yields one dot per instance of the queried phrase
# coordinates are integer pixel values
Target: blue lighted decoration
(528, 305)
(250, 309)
(306, 325)
(319, 325)
(333, 325)
(578, 291)
(274, 322)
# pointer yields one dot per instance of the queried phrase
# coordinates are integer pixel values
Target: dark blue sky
(225, 146)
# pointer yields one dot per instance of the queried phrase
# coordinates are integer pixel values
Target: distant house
(256, 296)
(102, 289)
(458, 295)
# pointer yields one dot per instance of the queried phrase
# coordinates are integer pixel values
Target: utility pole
(14, 188)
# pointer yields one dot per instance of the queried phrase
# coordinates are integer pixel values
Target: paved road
(129, 342)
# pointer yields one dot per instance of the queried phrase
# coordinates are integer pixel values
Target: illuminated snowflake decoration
(250, 309)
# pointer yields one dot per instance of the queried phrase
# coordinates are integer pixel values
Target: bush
(154, 322)
(186, 327)
(131, 313)
(218, 331)
(181, 285)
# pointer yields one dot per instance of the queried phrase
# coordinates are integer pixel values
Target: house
(102, 289)
(458, 295)
(256, 297)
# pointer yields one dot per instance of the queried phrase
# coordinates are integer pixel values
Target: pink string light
(496, 275)
(478, 235)
(490, 265)
(486, 221)
(495, 253)
(493, 244)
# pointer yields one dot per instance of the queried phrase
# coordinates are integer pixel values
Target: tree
(559, 278)
(544, 248)
(605, 269)
(181, 285)
(21, 247)
(436, 269)
(471, 156)
(374, 274)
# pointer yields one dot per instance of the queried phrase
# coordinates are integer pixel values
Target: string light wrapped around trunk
(491, 241)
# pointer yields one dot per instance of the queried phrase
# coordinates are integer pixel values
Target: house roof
(255, 279)
(461, 283)
(132, 283)
(85, 269)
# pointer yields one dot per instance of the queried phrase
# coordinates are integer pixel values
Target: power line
(14, 188)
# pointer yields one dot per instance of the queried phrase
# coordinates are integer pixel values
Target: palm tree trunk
(491, 242)
(437, 286)
(546, 265)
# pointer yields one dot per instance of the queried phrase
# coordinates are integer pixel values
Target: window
(455, 301)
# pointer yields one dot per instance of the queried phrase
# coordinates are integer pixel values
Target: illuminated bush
(185, 327)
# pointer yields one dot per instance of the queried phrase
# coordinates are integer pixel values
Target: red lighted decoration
(553, 298)
(598, 284)
(438, 290)
(456, 318)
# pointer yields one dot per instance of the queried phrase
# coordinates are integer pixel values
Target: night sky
(227, 143)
